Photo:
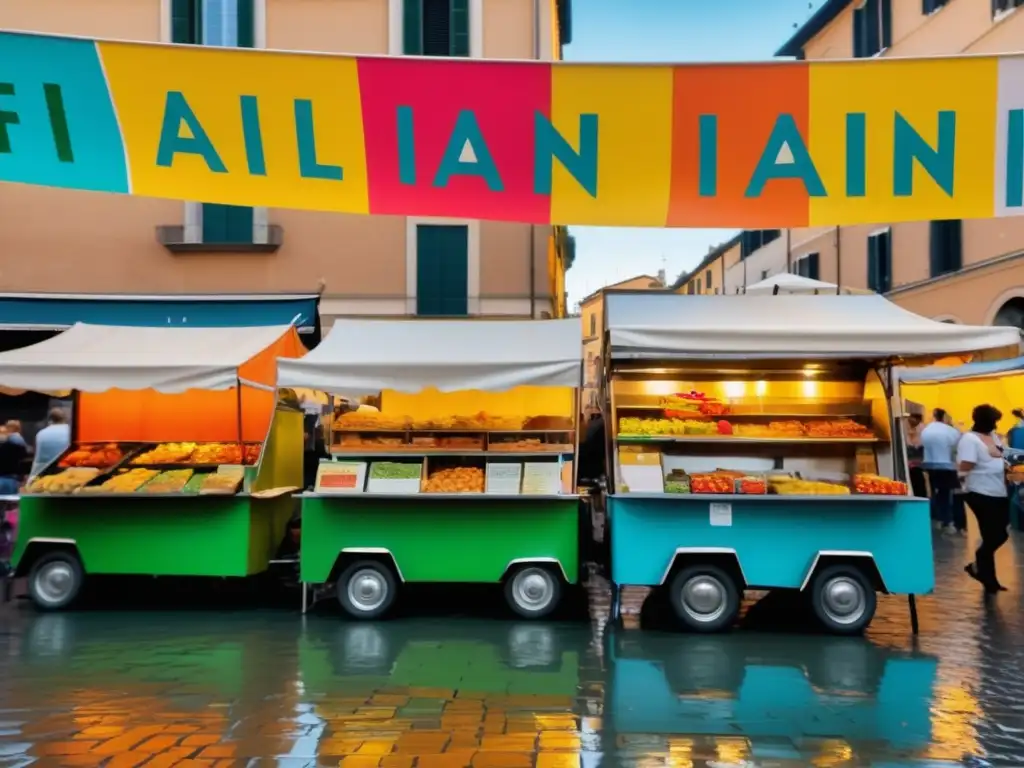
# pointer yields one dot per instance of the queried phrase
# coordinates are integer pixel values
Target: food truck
(181, 457)
(463, 469)
(755, 443)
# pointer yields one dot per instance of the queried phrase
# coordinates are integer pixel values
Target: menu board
(641, 472)
(504, 478)
(340, 477)
(542, 478)
(399, 477)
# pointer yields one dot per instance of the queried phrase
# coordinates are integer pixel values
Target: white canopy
(660, 325)
(95, 358)
(361, 357)
(788, 283)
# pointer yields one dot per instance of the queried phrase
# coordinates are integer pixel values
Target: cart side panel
(776, 541)
(187, 536)
(281, 460)
(440, 540)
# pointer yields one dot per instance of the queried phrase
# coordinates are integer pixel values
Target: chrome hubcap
(367, 590)
(533, 589)
(704, 598)
(54, 582)
(843, 600)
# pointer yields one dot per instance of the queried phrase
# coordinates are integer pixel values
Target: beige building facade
(88, 243)
(968, 271)
(591, 312)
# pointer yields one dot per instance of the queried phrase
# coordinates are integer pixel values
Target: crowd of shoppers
(19, 459)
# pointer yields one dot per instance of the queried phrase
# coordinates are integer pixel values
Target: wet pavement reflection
(268, 688)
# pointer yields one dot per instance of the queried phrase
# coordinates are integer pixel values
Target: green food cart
(205, 507)
(463, 471)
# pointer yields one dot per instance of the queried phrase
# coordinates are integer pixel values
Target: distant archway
(1011, 314)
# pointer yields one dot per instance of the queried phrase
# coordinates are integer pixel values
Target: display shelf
(454, 452)
(129, 495)
(443, 496)
(767, 497)
(734, 439)
(809, 415)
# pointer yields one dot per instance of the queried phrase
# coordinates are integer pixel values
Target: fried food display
(104, 455)
(370, 420)
(876, 485)
(127, 481)
(788, 429)
(220, 483)
(63, 482)
(171, 481)
(789, 486)
(166, 453)
(455, 480)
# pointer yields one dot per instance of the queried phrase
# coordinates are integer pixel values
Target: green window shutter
(442, 269)
(227, 224)
(459, 30)
(246, 24)
(412, 27)
(186, 22)
(873, 263)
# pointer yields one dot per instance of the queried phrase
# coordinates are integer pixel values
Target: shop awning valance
(96, 358)
(367, 356)
(57, 311)
(652, 326)
(936, 373)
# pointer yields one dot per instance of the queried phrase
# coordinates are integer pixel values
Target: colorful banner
(741, 145)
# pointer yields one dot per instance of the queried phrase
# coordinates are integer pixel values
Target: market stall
(753, 447)
(463, 471)
(180, 458)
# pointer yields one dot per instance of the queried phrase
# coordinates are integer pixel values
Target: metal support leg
(616, 600)
(912, 602)
(304, 604)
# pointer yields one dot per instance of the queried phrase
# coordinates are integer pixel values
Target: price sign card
(542, 478)
(340, 477)
(395, 477)
(641, 472)
(504, 478)
(721, 515)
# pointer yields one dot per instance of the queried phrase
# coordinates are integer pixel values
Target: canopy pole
(238, 413)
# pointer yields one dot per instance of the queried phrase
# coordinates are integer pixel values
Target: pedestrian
(939, 440)
(980, 458)
(11, 456)
(14, 433)
(915, 455)
(51, 441)
(1015, 437)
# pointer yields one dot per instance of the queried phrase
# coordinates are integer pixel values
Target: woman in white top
(979, 458)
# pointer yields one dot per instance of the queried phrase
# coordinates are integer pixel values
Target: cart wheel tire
(533, 591)
(366, 589)
(55, 581)
(705, 598)
(843, 599)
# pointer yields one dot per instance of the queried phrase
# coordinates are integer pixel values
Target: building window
(436, 27)
(689, 289)
(442, 270)
(809, 266)
(872, 28)
(698, 286)
(593, 325)
(707, 279)
(764, 274)
(945, 247)
(753, 239)
(880, 261)
(228, 24)
(1002, 7)
(931, 6)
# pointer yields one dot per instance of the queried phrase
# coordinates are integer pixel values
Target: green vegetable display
(676, 486)
(393, 470)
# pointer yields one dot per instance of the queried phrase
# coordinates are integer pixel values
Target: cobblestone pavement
(265, 687)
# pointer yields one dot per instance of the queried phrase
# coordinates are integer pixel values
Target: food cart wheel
(705, 598)
(366, 589)
(533, 591)
(843, 599)
(55, 580)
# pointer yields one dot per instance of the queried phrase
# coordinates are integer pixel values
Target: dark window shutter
(945, 247)
(873, 263)
(690, 289)
(813, 268)
(246, 24)
(227, 224)
(859, 32)
(872, 28)
(886, 23)
(442, 267)
(884, 262)
(698, 286)
(707, 279)
(437, 27)
(459, 30)
(186, 22)
(412, 27)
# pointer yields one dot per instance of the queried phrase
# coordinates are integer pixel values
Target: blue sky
(666, 31)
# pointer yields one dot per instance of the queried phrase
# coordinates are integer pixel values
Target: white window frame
(193, 212)
(472, 261)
